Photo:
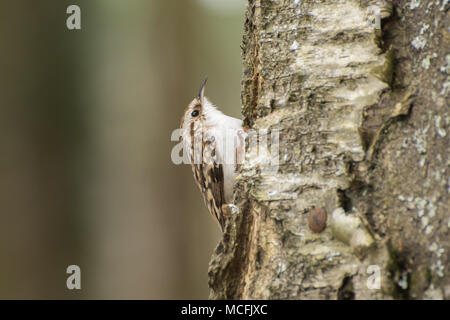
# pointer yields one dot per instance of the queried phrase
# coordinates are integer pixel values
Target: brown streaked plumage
(205, 132)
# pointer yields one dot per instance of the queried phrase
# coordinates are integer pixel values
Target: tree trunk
(362, 113)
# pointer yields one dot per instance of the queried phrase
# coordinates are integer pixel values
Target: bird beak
(201, 92)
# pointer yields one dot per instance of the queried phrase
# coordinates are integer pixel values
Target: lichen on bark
(323, 75)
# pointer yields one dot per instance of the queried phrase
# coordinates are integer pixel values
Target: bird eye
(194, 113)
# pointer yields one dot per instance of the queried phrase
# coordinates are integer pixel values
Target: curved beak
(201, 92)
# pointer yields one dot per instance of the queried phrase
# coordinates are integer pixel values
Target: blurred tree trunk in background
(138, 61)
(42, 151)
(363, 119)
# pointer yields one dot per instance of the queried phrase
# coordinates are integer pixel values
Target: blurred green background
(86, 116)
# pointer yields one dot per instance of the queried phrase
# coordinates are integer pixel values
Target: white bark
(323, 75)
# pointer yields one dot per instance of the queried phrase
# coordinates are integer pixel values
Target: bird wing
(209, 176)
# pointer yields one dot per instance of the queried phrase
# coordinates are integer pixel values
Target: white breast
(229, 144)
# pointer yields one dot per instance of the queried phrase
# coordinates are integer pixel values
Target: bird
(215, 144)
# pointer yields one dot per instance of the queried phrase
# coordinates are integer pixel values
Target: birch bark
(362, 112)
